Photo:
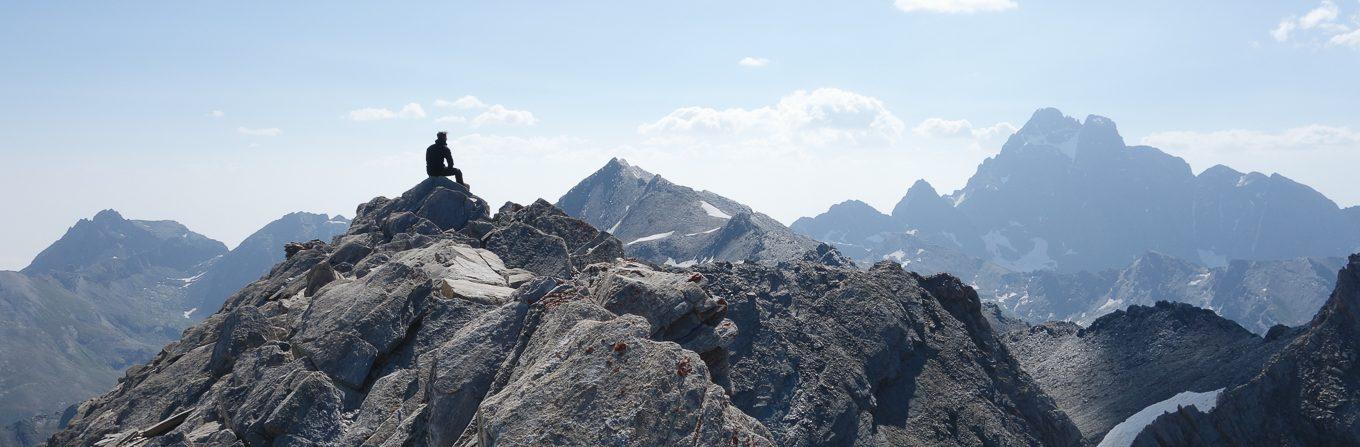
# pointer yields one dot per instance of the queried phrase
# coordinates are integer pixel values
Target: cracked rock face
(416, 328)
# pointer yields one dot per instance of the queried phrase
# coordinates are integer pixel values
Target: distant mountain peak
(108, 215)
(621, 165)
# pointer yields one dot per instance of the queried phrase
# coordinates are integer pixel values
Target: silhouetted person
(439, 159)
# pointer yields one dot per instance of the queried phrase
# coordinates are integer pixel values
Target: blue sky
(224, 117)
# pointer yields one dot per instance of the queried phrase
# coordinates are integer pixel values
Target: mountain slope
(662, 222)
(255, 255)
(431, 323)
(1306, 394)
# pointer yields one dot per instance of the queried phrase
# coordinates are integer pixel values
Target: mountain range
(1068, 222)
(108, 295)
(1070, 195)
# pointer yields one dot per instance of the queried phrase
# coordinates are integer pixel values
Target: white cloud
(466, 103)
(1320, 16)
(499, 114)
(1282, 31)
(216, 114)
(753, 62)
(943, 128)
(1350, 39)
(1305, 138)
(455, 119)
(261, 132)
(371, 114)
(955, 6)
(412, 111)
(1319, 25)
(820, 117)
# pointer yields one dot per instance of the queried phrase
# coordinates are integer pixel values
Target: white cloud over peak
(943, 128)
(371, 114)
(466, 103)
(499, 114)
(1304, 138)
(1319, 26)
(412, 111)
(261, 132)
(819, 117)
(753, 62)
(956, 6)
(216, 114)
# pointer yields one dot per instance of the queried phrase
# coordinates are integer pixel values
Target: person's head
(441, 137)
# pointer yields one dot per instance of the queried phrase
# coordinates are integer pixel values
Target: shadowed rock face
(410, 330)
(1130, 359)
(1307, 394)
(662, 222)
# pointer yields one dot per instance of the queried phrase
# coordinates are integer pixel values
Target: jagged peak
(622, 166)
(922, 187)
(1048, 119)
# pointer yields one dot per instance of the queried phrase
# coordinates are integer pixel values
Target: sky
(227, 116)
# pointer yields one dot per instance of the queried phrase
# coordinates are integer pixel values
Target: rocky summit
(432, 323)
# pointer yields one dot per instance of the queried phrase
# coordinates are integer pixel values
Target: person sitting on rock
(439, 160)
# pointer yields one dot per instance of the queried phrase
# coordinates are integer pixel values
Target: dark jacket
(438, 158)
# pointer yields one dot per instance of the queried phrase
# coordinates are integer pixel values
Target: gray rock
(523, 246)
(657, 394)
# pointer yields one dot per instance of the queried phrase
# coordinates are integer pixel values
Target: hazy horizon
(227, 118)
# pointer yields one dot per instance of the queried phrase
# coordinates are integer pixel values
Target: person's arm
(448, 157)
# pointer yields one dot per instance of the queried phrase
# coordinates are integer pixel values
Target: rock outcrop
(833, 355)
(1307, 394)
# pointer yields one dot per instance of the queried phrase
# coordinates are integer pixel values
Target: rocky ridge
(431, 323)
(1306, 394)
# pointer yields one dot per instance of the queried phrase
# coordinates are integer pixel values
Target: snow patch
(713, 210)
(652, 237)
(689, 263)
(189, 312)
(704, 232)
(1123, 434)
(192, 279)
(614, 228)
(1036, 259)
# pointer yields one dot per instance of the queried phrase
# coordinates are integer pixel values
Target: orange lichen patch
(619, 347)
(683, 367)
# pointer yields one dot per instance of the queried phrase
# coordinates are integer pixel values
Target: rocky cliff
(1306, 394)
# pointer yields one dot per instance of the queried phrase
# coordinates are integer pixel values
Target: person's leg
(458, 175)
